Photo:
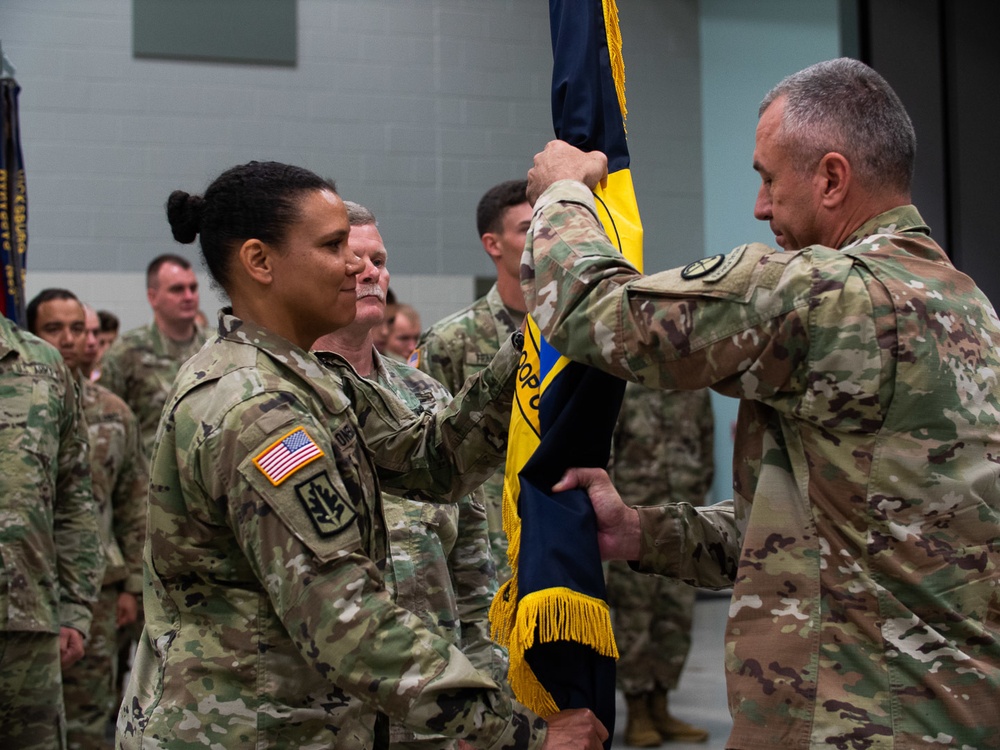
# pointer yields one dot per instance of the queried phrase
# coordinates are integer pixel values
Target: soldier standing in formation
(464, 343)
(663, 445)
(52, 558)
(119, 477)
(267, 621)
(440, 565)
(861, 543)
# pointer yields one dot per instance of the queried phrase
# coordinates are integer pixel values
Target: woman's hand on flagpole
(575, 729)
(618, 532)
(560, 161)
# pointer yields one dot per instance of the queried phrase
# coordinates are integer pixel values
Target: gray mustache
(370, 290)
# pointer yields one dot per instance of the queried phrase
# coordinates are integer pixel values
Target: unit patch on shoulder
(702, 267)
(287, 455)
(414, 359)
(329, 512)
(726, 266)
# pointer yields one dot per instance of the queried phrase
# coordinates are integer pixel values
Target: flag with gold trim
(552, 614)
(13, 205)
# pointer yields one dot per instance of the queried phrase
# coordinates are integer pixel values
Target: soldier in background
(663, 452)
(141, 365)
(441, 568)
(463, 343)
(404, 332)
(52, 559)
(119, 477)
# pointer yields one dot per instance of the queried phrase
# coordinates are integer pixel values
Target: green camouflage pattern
(31, 701)
(453, 349)
(441, 567)
(120, 478)
(863, 541)
(140, 367)
(663, 448)
(52, 563)
(267, 621)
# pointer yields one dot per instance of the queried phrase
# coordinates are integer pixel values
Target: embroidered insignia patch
(702, 267)
(414, 360)
(283, 458)
(727, 265)
(328, 511)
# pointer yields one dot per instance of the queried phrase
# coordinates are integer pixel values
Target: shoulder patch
(329, 512)
(702, 267)
(414, 359)
(287, 455)
(726, 266)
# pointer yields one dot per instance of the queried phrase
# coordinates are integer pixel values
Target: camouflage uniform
(50, 557)
(140, 367)
(267, 622)
(120, 477)
(455, 348)
(663, 447)
(441, 566)
(862, 543)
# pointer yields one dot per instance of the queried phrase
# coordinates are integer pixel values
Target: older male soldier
(441, 568)
(141, 365)
(119, 473)
(862, 540)
(50, 557)
(465, 342)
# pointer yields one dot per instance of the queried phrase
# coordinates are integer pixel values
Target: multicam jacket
(455, 348)
(863, 541)
(267, 622)
(51, 562)
(120, 477)
(140, 368)
(441, 568)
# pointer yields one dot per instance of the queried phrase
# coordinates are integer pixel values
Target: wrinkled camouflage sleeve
(731, 333)
(129, 505)
(472, 568)
(447, 454)
(700, 546)
(79, 558)
(329, 594)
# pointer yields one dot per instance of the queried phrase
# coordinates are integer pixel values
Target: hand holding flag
(561, 161)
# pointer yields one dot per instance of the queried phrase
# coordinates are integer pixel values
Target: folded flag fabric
(552, 615)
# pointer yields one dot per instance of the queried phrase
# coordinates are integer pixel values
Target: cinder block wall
(414, 108)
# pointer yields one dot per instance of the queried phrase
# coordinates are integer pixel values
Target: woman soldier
(267, 624)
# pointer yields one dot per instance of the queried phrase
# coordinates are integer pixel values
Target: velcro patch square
(287, 455)
(329, 512)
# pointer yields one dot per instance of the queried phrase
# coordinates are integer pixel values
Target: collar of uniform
(8, 333)
(511, 318)
(894, 221)
(291, 357)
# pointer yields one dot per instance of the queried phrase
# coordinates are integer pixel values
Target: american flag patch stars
(283, 458)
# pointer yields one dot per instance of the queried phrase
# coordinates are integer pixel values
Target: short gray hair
(359, 216)
(844, 106)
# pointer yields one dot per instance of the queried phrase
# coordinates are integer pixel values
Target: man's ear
(835, 175)
(491, 244)
(255, 257)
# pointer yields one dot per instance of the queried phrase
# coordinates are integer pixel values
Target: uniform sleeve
(79, 556)
(305, 538)
(129, 504)
(474, 574)
(447, 454)
(700, 546)
(740, 328)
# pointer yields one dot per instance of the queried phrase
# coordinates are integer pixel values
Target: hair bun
(184, 214)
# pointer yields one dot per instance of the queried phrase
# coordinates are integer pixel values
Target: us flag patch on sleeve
(283, 458)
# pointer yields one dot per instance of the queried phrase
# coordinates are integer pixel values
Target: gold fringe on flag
(615, 53)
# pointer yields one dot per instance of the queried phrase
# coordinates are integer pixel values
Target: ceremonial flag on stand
(13, 205)
(552, 614)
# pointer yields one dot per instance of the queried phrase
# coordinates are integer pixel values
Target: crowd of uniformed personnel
(298, 535)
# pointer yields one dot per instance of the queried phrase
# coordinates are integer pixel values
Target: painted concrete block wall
(414, 108)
